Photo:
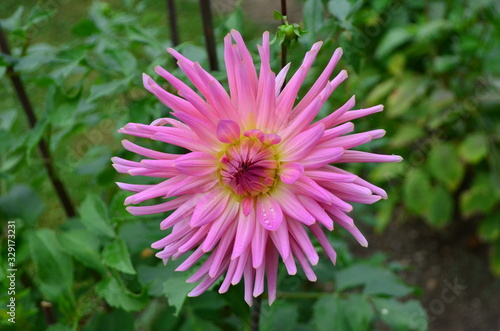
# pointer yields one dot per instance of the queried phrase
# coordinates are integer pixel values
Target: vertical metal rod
(15, 79)
(172, 22)
(208, 29)
(283, 46)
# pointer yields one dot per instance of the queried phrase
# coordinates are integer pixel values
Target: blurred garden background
(433, 262)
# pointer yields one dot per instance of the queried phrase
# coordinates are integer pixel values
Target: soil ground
(451, 267)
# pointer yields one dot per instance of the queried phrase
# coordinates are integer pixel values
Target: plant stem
(60, 189)
(255, 314)
(208, 29)
(172, 22)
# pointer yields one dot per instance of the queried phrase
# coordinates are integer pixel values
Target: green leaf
(359, 312)
(351, 54)
(313, 15)
(444, 164)
(446, 63)
(402, 316)
(83, 246)
(176, 290)
(407, 134)
(84, 28)
(195, 323)
(280, 316)
(328, 314)
(480, 198)
(116, 256)
(277, 15)
(416, 190)
(54, 267)
(489, 229)
(107, 89)
(375, 280)
(381, 91)
(393, 39)
(405, 95)
(474, 148)
(94, 215)
(14, 21)
(117, 295)
(22, 202)
(340, 9)
(36, 134)
(440, 208)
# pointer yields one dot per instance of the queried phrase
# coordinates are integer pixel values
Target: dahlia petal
(281, 240)
(240, 268)
(320, 157)
(229, 59)
(321, 176)
(177, 233)
(201, 127)
(198, 235)
(288, 95)
(130, 146)
(337, 131)
(258, 244)
(229, 276)
(334, 118)
(290, 172)
(219, 226)
(290, 265)
(300, 235)
(191, 185)
(228, 131)
(160, 208)
(320, 82)
(375, 189)
(269, 213)
(353, 114)
(247, 60)
(308, 187)
(247, 205)
(354, 140)
(222, 250)
(191, 260)
(296, 148)
(323, 241)
(244, 234)
(317, 211)
(272, 273)
(182, 211)
(258, 288)
(358, 156)
(270, 139)
(248, 273)
(280, 79)
(303, 262)
(196, 164)
(209, 208)
(292, 206)
(133, 187)
(155, 191)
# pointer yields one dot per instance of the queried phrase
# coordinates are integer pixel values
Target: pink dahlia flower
(258, 180)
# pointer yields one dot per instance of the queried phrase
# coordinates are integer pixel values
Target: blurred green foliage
(432, 63)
